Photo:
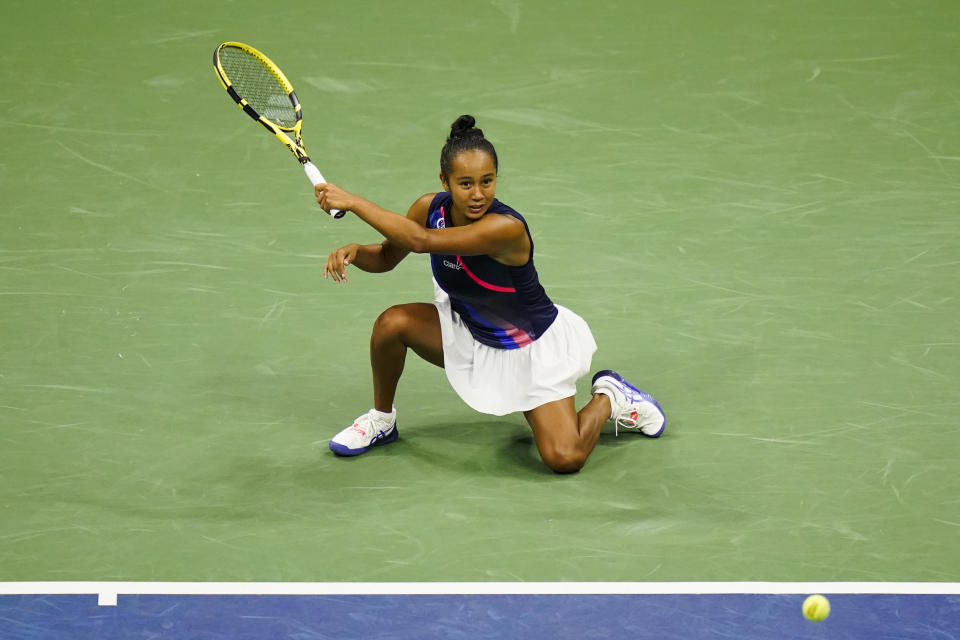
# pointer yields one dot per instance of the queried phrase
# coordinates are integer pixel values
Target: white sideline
(107, 592)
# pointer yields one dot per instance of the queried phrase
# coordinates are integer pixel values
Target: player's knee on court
(562, 459)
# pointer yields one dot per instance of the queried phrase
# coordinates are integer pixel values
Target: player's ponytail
(464, 136)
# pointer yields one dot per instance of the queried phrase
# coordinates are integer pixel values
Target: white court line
(107, 592)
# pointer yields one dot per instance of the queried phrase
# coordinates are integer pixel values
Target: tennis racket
(260, 88)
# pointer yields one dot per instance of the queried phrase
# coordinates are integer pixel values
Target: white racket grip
(317, 178)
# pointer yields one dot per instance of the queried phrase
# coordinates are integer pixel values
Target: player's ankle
(384, 415)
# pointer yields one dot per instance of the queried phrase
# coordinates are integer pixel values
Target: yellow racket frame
(295, 144)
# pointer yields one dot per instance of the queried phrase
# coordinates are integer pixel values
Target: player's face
(472, 183)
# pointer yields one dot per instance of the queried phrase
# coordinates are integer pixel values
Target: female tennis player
(505, 346)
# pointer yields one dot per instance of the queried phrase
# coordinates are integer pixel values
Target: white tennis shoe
(630, 408)
(369, 430)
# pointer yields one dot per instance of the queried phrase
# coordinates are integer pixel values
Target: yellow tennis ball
(816, 607)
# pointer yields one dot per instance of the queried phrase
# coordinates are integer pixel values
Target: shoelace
(629, 418)
(366, 425)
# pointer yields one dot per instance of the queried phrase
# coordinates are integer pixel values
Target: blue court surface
(304, 611)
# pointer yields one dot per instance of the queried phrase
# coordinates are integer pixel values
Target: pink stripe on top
(485, 285)
(519, 336)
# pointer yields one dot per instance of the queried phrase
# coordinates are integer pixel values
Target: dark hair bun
(463, 127)
(464, 136)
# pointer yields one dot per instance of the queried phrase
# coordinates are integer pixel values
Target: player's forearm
(374, 258)
(398, 229)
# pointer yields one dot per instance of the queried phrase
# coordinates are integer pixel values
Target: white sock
(384, 417)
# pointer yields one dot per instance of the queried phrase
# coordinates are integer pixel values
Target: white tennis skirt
(501, 381)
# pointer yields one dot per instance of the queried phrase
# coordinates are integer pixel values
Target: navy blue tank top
(503, 306)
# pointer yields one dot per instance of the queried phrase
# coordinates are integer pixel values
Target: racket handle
(317, 178)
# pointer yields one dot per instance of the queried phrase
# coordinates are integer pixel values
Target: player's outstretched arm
(406, 231)
(373, 258)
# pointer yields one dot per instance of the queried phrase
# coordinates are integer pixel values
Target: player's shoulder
(508, 225)
(499, 207)
(508, 215)
(421, 207)
(427, 198)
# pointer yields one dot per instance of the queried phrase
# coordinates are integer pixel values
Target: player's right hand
(330, 196)
(337, 262)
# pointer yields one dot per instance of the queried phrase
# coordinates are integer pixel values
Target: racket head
(258, 85)
(262, 90)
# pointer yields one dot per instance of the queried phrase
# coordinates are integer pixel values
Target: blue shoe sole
(342, 450)
(643, 394)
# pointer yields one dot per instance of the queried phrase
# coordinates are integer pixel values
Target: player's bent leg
(564, 437)
(407, 326)
(556, 433)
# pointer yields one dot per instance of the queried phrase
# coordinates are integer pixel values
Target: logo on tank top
(451, 265)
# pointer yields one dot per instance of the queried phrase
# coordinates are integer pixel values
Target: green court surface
(753, 204)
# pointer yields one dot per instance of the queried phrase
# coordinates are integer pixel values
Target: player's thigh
(416, 325)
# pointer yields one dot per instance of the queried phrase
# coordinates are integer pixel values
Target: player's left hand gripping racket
(259, 87)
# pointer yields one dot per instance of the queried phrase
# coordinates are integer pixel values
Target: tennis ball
(816, 607)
